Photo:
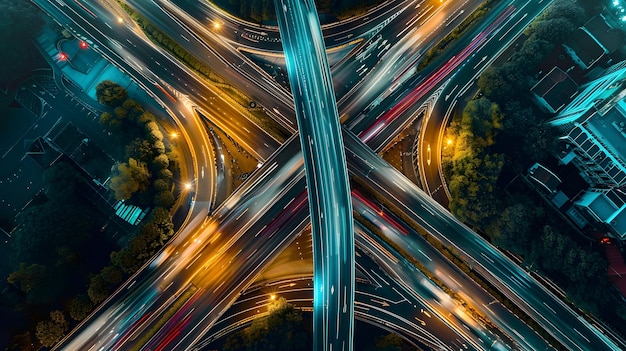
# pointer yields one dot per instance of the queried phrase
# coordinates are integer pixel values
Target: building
(609, 37)
(544, 178)
(585, 49)
(555, 90)
(593, 129)
(593, 42)
(606, 208)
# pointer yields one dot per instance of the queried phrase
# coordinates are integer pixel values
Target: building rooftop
(599, 204)
(618, 222)
(544, 177)
(585, 49)
(608, 206)
(610, 129)
(611, 38)
(556, 89)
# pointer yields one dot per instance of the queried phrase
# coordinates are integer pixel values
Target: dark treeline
(263, 10)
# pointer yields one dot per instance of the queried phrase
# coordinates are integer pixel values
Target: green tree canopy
(389, 342)
(80, 307)
(110, 93)
(51, 331)
(120, 113)
(503, 83)
(141, 150)
(481, 121)
(29, 278)
(98, 289)
(49, 225)
(161, 185)
(554, 31)
(164, 199)
(565, 9)
(513, 229)
(110, 122)
(60, 181)
(472, 188)
(153, 132)
(165, 174)
(161, 161)
(125, 260)
(131, 177)
(162, 218)
(133, 110)
(281, 330)
(20, 20)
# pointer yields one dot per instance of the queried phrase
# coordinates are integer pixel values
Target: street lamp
(173, 135)
(217, 25)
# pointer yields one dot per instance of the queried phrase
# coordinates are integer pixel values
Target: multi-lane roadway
(326, 174)
(127, 49)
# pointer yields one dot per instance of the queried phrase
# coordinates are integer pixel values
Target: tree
(165, 174)
(60, 181)
(281, 330)
(161, 161)
(110, 93)
(235, 342)
(125, 260)
(472, 189)
(109, 121)
(161, 185)
(29, 278)
(153, 131)
(501, 84)
(530, 55)
(131, 177)
(389, 342)
(140, 149)
(162, 218)
(48, 225)
(19, 22)
(481, 120)
(554, 31)
(285, 327)
(80, 307)
(98, 289)
(565, 9)
(51, 331)
(111, 275)
(164, 199)
(152, 235)
(158, 147)
(145, 117)
(513, 229)
(133, 109)
(120, 113)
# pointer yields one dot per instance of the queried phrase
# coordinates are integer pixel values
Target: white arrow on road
(481, 61)
(383, 303)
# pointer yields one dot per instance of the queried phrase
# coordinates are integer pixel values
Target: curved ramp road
(326, 174)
